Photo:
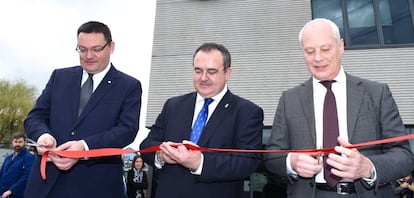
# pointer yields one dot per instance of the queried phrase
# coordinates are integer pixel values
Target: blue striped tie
(200, 121)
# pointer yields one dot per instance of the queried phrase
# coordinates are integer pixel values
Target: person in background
(84, 107)
(366, 111)
(16, 168)
(137, 180)
(32, 150)
(226, 121)
(405, 188)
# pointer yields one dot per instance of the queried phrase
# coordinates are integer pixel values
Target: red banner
(117, 151)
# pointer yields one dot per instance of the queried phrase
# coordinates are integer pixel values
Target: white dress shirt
(97, 78)
(319, 91)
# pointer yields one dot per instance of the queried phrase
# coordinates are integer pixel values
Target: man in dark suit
(366, 111)
(109, 119)
(232, 122)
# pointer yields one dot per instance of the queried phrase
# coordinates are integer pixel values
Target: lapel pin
(226, 106)
(109, 82)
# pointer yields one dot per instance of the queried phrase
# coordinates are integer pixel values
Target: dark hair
(96, 27)
(135, 158)
(19, 135)
(207, 47)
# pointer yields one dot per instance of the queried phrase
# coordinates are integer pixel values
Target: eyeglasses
(95, 50)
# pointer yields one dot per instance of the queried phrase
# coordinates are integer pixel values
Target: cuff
(371, 181)
(200, 167)
(157, 160)
(289, 168)
(86, 147)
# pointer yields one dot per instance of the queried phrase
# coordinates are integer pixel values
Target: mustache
(18, 147)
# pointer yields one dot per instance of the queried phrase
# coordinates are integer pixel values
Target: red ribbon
(117, 151)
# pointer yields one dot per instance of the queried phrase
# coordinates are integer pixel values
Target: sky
(39, 36)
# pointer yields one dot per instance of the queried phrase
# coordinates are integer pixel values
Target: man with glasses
(229, 122)
(84, 107)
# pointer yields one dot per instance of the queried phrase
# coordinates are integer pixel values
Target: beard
(17, 149)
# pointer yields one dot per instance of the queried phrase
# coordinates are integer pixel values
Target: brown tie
(330, 130)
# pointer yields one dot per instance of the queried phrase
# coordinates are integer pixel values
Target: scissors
(30, 142)
(320, 156)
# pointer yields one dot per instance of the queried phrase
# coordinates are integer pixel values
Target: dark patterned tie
(330, 130)
(86, 92)
(200, 121)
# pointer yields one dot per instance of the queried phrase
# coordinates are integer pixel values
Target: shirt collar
(98, 75)
(217, 97)
(340, 78)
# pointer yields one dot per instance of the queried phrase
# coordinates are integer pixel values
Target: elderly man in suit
(366, 111)
(232, 122)
(63, 118)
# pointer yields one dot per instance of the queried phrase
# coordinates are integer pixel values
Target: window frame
(381, 41)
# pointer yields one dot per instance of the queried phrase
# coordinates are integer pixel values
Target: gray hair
(334, 28)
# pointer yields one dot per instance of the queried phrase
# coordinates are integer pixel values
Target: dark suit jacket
(109, 120)
(235, 123)
(372, 114)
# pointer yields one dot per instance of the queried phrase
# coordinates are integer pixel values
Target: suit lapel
(354, 100)
(103, 88)
(76, 77)
(184, 118)
(219, 114)
(306, 96)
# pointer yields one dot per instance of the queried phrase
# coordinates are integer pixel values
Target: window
(370, 23)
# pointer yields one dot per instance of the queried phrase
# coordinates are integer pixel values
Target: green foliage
(16, 100)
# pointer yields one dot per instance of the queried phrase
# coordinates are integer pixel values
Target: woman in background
(136, 179)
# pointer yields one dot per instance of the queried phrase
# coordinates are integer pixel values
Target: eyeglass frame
(94, 50)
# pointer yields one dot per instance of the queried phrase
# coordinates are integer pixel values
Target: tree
(16, 100)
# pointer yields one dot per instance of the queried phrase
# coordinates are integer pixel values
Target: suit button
(72, 133)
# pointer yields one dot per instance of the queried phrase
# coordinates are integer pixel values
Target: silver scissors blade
(30, 142)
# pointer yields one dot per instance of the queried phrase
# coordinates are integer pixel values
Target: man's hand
(305, 165)
(64, 163)
(6, 194)
(174, 153)
(350, 163)
(46, 142)
(164, 153)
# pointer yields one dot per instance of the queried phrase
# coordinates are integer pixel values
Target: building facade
(262, 36)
